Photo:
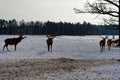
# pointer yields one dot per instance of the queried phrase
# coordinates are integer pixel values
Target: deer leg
(103, 48)
(113, 44)
(100, 48)
(51, 48)
(7, 47)
(15, 47)
(108, 47)
(48, 47)
(4, 47)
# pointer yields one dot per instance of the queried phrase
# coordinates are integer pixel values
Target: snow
(96, 73)
(75, 47)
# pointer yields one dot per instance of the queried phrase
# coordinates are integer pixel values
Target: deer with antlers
(102, 44)
(49, 42)
(12, 41)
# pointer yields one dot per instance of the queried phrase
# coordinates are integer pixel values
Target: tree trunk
(119, 29)
(119, 37)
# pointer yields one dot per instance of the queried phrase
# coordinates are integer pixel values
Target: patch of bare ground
(11, 69)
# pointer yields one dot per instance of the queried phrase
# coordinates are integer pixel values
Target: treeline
(12, 27)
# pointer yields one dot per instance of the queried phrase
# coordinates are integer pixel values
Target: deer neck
(19, 39)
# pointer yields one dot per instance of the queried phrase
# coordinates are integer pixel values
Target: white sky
(44, 10)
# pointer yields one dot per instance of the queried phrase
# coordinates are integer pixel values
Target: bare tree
(103, 7)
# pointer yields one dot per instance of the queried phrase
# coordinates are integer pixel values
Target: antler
(47, 36)
(50, 36)
(103, 37)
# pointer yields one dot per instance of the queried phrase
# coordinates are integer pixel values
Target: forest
(13, 27)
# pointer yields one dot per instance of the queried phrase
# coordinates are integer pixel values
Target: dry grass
(12, 69)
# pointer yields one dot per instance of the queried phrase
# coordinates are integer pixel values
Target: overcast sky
(44, 10)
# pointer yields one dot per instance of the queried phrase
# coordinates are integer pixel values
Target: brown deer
(109, 43)
(12, 41)
(115, 42)
(49, 42)
(102, 44)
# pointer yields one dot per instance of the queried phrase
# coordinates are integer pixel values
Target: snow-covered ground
(96, 73)
(75, 47)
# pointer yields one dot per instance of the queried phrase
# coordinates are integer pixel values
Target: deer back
(12, 41)
(103, 42)
(50, 41)
(109, 42)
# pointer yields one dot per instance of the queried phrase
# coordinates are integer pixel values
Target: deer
(102, 44)
(12, 41)
(109, 43)
(49, 42)
(115, 42)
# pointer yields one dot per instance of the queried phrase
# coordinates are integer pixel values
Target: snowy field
(74, 47)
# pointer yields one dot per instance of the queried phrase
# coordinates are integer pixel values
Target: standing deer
(12, 41)
(109, 43)
(49, 42)
(102, 44)
(115, 42)
(112, 42)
